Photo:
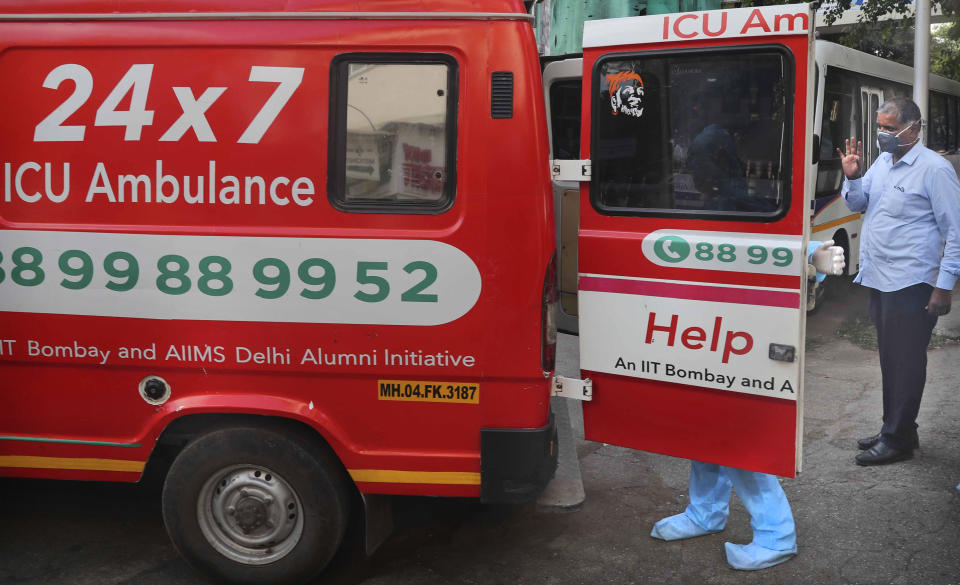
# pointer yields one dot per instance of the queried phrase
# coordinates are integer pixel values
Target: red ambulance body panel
(192, 140)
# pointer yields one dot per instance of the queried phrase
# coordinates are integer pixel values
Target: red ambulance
(305, 251)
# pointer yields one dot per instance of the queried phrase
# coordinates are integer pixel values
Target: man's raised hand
(850, 160)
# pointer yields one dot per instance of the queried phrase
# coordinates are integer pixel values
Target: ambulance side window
(393, 133)
(693, 134)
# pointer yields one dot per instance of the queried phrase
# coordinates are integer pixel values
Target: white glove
(828, 258)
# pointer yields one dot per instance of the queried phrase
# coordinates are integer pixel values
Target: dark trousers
(903, 333)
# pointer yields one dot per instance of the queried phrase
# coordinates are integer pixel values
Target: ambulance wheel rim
(249, 514)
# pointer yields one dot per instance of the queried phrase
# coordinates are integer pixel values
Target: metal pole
(544, 16)
(921, 58)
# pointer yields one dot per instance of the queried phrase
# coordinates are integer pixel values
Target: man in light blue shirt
(909, 258)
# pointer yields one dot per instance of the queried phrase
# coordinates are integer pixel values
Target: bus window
(693, 133)
(393, 139)
(871, 98)
(874, 91)
(953, 143)
(840, 121)
(890, 89)
(565, 118)
(951, 124)
(937, 123)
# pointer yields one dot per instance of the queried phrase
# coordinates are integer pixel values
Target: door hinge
(570, 170)
(573, 388)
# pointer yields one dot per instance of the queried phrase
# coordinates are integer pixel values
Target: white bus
(850, 86)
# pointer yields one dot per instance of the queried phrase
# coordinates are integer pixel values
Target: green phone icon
(671, 249)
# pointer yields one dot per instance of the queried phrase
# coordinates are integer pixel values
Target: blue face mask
(890, 142)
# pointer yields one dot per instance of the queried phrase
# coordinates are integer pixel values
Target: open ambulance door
(696, 148)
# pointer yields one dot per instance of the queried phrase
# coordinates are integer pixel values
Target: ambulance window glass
(394, 137)
(696, 134)
(565, 118)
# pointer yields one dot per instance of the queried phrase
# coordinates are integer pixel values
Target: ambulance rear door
(697, 138)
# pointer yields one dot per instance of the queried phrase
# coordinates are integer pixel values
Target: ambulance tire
(251, 505)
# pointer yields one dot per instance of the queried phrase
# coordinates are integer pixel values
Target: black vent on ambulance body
(501, 94)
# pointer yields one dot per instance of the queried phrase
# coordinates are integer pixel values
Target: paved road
(898, 524)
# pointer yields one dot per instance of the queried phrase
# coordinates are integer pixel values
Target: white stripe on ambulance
(236, 278)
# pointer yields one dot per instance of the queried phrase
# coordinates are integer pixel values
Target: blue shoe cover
(958, 487)
(678, 527)
(752, 557)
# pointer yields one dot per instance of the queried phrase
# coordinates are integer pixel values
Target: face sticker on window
(626, 93)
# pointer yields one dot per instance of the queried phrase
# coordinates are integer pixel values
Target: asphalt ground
(897, 524)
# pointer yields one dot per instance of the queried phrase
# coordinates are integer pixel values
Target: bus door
(697, 138)
(870, 100)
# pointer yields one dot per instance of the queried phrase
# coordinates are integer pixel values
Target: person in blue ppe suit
(774, 532)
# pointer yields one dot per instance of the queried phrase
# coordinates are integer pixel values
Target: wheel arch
(184, 420)
(186, 427)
